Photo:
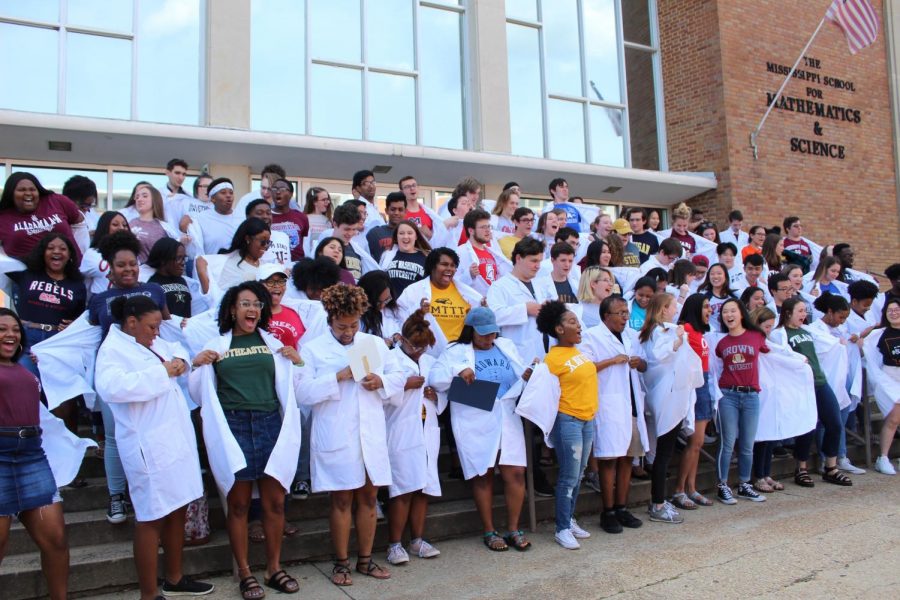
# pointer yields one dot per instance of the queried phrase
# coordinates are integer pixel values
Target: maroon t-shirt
(20, 232)
(740, 359)
(295, 225)
(797, 247)
(687, 242)
(20, 394)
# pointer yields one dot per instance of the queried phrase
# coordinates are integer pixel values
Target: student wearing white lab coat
(517, 298)
(481, 435)
(245, 382)
(882, 360)
(219, 272)
(842, 363)
(349, 440)
(414, 441)
(478, 228)
(136, 376)
(620, 432)
(448, 301)
(674, 371)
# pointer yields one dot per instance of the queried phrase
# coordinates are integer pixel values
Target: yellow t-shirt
(449, 309)
(507, 244)
(577, 381)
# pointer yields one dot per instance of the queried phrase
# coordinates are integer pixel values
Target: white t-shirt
(217, 229)
(279, 249)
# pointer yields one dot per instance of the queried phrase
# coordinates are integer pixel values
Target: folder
(478, 394)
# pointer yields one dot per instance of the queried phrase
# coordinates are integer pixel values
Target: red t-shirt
(287, 327)
(797, 247)
(687, 242)
(20, 232)
(740, 359)
(419, 217)
(295, 225)
(699, 344)
(487, 265)
(20, 394)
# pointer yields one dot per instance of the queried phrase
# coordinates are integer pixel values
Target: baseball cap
(482, 320)
(266, 270)
(621, 227)
(700, 260)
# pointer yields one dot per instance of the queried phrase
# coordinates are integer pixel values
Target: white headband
(219, 187)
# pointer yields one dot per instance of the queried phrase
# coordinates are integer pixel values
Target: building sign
(816, 104)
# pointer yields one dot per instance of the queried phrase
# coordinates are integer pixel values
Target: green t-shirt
(802, 341)
(245, 375)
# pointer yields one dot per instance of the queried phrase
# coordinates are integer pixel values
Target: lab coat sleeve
(323, 386)
(393, 379)
(662, 344)
(505, 310)
(116, 384)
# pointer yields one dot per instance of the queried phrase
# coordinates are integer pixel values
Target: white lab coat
(835, 356)
(702, 245)
(66, 362)
(467, 256)
(613, 421)
(413, 444)
(349, 435)
(507, 298)
(653, 263)
(481, 434)
(225, 455)
(411, 300)
(95, 271)
(64, 450)
(740, 240)
(153, 425)
(883, 381)
(671, 379)
(539, 402)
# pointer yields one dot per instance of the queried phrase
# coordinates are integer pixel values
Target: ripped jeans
(572, 439)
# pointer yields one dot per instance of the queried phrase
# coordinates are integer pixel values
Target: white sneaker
(567, 540)
(577, 531)
(379, 513)
(844, 464)
(883, 465)
(397, 555)
(423, 549)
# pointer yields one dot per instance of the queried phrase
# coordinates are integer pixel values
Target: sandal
(802, 478)
(250, 588)
(836, 476)
(282, 582)
(290, 530)
(256, 533)
(763, 486)
(776, 485)
(517, 540)
(366, 566)
(494, 542)
(340, 572)
(682, 501)
(700, 499)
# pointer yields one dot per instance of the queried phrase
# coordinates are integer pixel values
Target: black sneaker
(609, 523)
(724, 494)
(746, 491)
(300, 490)
(780, 452)
(187, 587)
(116, 514)
(542, 488)
(624, 516)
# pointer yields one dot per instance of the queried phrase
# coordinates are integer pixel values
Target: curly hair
(550, 315)
(417, 330)
(342, 300)
(36, 263)
(116, 242)
(229, 301)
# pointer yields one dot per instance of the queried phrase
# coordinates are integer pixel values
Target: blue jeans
(26, 481)
(737, 419)
(256, 433)
(842, 442)
(305, 432)
(572, 438)
(115, 473)
(830, 417)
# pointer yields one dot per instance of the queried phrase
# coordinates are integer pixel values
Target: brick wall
(715, 55)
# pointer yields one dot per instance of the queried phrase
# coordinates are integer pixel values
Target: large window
(569, 62)
(127, 59)
(380, 70)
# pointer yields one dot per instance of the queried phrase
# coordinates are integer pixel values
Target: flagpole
(759, 127)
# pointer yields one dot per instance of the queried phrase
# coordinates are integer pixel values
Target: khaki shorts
(636, 449)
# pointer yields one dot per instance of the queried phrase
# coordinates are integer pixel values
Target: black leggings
(762, 459)
(830, 417)
(665, 447)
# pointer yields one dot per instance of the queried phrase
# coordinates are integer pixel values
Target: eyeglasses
(263, 243)
(410, 348)
(526, 220)
(787, 289)
(245, 304)
(275, 283)
(622, 313)
(180, 260)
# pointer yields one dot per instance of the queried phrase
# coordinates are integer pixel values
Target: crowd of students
(188, 318)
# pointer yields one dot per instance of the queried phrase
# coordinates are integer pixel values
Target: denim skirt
(26, 481)
(703, 408)
(256, 433)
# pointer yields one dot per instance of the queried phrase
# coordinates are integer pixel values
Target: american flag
(857, 19)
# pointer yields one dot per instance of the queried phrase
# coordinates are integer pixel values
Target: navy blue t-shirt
(98, 308)
(42, 299)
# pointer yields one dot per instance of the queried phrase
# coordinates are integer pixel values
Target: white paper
(364, 357)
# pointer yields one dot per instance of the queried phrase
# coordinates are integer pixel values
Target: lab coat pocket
(162, 449)
(326, 436)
